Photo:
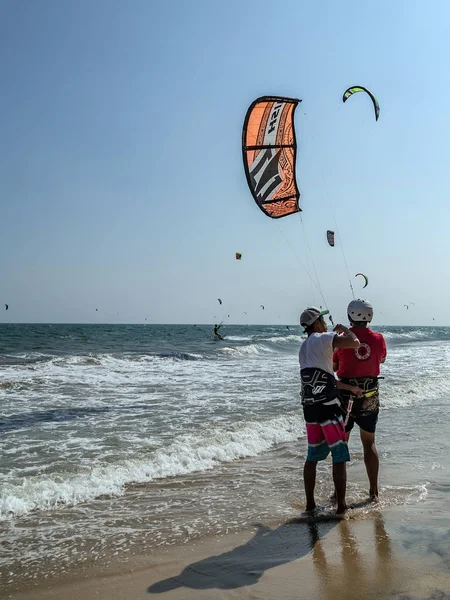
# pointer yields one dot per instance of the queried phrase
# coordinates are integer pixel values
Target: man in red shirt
(361, 367)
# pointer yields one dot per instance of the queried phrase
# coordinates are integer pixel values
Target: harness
(371, 390)
(317, 386)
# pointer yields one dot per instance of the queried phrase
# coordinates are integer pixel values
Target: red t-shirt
(364, 361)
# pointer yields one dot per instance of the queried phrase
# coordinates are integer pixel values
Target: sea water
(122, 439)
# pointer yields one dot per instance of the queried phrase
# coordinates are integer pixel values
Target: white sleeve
(327, 341)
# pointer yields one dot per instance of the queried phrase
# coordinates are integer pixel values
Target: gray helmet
(360, 310)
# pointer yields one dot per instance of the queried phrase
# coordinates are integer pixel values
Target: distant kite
(219, 300)
(330, 237)
(366, 279)
(238, 256)
(359, 88)
(6, 306)
(262, 306)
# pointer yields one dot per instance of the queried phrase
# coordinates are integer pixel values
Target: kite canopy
(219, 300)
(358, 88)
(6, 306)
(269, 150)
(366, 279)
(238, 256)
(330, 237)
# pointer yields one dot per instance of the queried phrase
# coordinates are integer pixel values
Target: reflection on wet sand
(353, 577)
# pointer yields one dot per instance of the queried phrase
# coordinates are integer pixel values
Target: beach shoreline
(383, 554)
(136, 457)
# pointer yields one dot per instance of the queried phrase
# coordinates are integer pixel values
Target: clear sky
(121, 179)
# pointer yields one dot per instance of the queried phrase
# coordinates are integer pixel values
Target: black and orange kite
(269, 150)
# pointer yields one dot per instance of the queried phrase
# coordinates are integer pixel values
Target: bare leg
(333, 497)
(309, 479)
(340, 485)
(371, 461)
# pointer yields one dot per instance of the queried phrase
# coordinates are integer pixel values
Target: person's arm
(353, 389)
(335, 361)
(347, 340)
(384, 352)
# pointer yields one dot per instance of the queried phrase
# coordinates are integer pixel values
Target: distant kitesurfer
(361, 367)
(216, 331)
(325, 428)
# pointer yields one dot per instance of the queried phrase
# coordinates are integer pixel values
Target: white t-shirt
(316, 352)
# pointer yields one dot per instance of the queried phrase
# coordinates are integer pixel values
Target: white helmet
(360, 310)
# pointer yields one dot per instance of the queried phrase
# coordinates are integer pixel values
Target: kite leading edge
(359, 88)
(366, 279)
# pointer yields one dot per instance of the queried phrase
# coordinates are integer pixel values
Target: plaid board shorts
(325, 432)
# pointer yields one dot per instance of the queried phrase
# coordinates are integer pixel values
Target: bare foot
(373, 495)
(340, 510)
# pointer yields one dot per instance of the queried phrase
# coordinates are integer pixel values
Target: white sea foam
(410, 335)
(412, 391)
(283, 339)
(252, 349)
(188, 454)
(415, 373)
(99, 373)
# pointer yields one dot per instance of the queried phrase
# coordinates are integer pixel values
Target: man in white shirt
(325, 428)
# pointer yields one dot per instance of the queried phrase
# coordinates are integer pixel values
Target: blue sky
(121, 178)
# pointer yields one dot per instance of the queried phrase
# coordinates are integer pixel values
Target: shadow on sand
(244, 565)
(352, 576)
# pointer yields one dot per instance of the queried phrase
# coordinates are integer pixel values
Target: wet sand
(400, 553)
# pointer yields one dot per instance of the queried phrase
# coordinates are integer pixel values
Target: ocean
(119, 440)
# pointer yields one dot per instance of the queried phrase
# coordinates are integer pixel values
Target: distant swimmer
(216, 331)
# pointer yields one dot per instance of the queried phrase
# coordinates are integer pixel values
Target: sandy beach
(113, 487)
(401, 554)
